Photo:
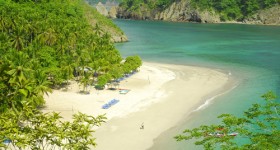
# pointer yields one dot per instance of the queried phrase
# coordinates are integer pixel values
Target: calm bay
(249, 53)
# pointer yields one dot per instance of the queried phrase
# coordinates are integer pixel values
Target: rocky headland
(183, 11)
(111, 12)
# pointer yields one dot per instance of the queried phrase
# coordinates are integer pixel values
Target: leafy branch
(259, 126)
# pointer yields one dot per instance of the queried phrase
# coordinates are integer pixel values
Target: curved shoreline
(161, 96)
(184, 94)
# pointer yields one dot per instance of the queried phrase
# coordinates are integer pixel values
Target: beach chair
(105, 106)
(112, 102)
(7, 141)
(124, 91)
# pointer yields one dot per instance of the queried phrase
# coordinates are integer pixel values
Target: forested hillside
(234, 9)
(197, 10)
(44, 43)
(151, 4)
(142, 9)
(94, 2)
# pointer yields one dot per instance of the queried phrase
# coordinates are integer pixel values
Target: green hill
(45, 43)
(213, 11)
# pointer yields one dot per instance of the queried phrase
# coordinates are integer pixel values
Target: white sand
(161, 95)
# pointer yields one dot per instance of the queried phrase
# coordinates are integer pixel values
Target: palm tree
(17, 39)
(86, 81)
(98, 30)
(67, 68)
(3, 21)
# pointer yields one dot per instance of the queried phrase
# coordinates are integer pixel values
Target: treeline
(234, 9)
(227, 9)
(135, 5)
(43, 44)
(94, 2)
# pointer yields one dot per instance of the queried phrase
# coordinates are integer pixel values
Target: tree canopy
(32, 129)
(136, 5)
(234, 9)
(258, 128)
(43, 44)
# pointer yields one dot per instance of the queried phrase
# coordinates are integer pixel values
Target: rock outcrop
(96, 16)
(179, 11)
(107, 10)
(102, 9)
(113, 12)
(182, 11)
(269, 16)
(119, 38)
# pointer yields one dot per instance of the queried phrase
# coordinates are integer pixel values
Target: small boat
(217, 134)
(233, 134)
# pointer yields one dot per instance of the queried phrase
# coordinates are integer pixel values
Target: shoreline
(185, 93)
(143, 85)
(221, 22)
(161, 96)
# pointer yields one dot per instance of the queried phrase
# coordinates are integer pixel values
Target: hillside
(216, 11)
(117, 35)
(44, 44)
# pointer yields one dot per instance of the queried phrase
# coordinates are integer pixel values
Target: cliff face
(179, 11)
(269, 16)
(107, 26)
(102, 9)
(182, 11)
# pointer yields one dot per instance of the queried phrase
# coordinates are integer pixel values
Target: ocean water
(250, 53)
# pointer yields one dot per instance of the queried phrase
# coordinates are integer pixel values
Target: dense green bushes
(43, 43)
(134, 5)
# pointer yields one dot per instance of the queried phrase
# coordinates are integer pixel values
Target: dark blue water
(251, 53)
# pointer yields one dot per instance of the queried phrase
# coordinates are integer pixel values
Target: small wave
(208, 101)
(205, 104)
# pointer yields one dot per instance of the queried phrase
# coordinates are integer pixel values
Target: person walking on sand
(142, 126)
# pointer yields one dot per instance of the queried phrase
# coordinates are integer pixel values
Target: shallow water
(249, 53)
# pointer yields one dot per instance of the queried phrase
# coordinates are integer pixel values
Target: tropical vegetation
(45, 44)
(136, 5)
(32, 129)
(258, 128)
(227, 9)
(234, 9)
(94, 2)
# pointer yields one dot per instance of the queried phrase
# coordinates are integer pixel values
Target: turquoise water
(250, 53)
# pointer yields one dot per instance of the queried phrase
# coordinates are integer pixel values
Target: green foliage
(136, 5)
(32, 129)
(103, 79)
(228, 9)
(42, 43)
(105, 24)
(94, 2)
(234, 9)
(132, 63)
(50, 38)
(116, 71)
(259, 126)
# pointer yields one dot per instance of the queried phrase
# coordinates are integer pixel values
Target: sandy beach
(160, 96)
